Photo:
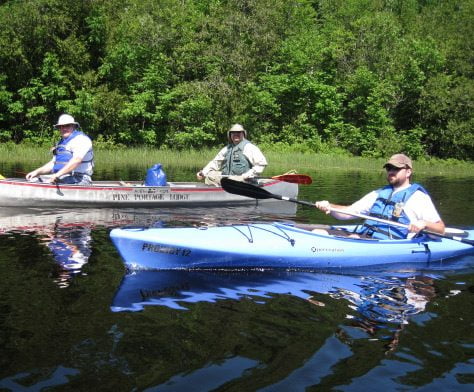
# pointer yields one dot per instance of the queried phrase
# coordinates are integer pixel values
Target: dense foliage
(370, 77)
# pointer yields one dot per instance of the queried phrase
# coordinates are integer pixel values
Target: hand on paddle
(248, 174)
(31, 175)
(53, 179)
(324, 206)
(416, 227)
(422, 225)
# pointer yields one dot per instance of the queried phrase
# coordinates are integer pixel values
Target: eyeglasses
(394, 168)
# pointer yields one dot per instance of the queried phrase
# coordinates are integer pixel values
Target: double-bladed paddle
(255, 192)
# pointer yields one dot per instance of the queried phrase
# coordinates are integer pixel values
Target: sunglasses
(394, 168)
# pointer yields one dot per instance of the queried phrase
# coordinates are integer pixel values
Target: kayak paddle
(255, 192)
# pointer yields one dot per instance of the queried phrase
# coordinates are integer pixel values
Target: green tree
(363, 75)
(447, 114)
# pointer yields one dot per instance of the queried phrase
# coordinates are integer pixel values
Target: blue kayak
(274, 245)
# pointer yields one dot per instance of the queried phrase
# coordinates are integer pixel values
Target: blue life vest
(389, 206)
(63, 155)
(236, 163)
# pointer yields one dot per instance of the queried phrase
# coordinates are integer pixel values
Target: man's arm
(215, 164)
(256, 158)
(423, 214)
(361, 206)
(327, 208)
(67, 168)
(45, 169)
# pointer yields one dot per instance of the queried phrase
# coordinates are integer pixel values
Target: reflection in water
(382, 302)
(58, 376)
(389, 300)
(378, 307)
(376, 299)
(261, 330)
(67, 233)
(209, 377)
(70, 247)
(175, 288)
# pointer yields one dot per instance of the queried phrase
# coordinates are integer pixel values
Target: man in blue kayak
(240, 159)
(73, 159)
(399, 201)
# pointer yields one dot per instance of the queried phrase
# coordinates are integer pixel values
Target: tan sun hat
(236, 128)
(400, 161)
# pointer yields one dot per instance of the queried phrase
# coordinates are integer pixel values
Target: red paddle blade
(295, 178)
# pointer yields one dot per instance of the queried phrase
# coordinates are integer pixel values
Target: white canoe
(17, 192)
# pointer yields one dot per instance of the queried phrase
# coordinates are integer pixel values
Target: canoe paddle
(255, 192)
(302, 179)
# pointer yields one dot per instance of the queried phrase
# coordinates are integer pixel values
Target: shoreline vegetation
(194, 159)
(367, 77)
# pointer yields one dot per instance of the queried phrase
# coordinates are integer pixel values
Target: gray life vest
(236, 163)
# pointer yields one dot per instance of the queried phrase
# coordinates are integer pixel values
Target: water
(71, 318)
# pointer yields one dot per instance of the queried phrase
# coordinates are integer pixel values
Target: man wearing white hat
(240, 159)
(399, 201)
(73, 159)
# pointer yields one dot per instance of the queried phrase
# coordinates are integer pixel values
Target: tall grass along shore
(278, 162)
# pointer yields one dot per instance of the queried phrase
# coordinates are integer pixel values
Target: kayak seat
(329, 230)
(341, 233)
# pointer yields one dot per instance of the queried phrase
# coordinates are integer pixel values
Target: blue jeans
(76, 178)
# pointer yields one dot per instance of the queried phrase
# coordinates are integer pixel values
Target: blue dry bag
(155, 176)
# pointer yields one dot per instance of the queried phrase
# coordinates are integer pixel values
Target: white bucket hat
(66, 119)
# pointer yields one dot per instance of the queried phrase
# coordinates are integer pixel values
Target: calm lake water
(72, 319)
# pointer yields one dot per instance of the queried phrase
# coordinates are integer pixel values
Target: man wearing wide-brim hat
(399, 201)
(240, 159)
(73, 157)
